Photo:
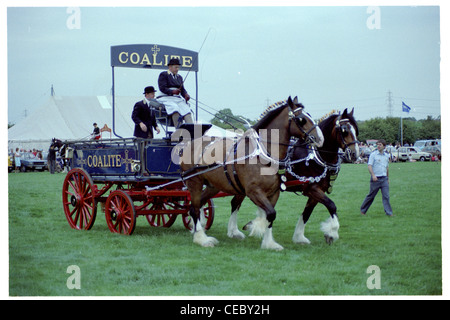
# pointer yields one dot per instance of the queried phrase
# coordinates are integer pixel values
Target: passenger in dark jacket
(144, 117)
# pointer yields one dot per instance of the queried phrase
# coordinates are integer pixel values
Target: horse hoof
(329, 240)
(248, 226)
(273, 246)
(236, 235)
(210, 242)
(302, 240)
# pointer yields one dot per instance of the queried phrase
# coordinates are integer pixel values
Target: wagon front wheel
(120, 213)
(80, 206)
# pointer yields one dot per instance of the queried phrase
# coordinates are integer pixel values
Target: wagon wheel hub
(73, 200)
(113, 215)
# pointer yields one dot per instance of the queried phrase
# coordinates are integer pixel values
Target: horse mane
(267, 116)
(324, 122)
(328, 115)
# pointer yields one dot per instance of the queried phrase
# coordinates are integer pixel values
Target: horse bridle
(300, 121)
(343, 132)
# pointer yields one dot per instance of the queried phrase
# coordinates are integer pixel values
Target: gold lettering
(134, 58)
(109, 160)
(120, 57)
(94, 161)
(145, 58)
(109, 164)
(118, 160)
(100, 162)
(166, 59)
(187, 61)
(154, 61)
(89, 161)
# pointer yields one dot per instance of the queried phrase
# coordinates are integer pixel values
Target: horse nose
(320, 139)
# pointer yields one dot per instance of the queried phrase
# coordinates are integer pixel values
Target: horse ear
(344, 113)
(289, 101)
(295, 100)
(351, 113)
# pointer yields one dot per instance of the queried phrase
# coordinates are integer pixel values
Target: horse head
(303, 123)
(346, 133)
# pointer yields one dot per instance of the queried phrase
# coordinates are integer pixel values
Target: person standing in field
(378, 166)
(17, 160)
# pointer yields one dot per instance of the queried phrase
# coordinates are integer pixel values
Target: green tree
(389, 129)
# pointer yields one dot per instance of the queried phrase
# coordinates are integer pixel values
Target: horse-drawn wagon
(130, 177)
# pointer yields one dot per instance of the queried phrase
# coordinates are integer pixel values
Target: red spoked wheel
(206, 215)
(160, 216)
(120, 213)
(78, 195)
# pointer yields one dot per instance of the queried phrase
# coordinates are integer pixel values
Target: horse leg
(207, 194)
(233, 231)
(299, 233)
(268, 242)
(262, 225)
(200, 236)
(329, 227)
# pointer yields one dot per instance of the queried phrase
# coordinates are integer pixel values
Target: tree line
(388, 128)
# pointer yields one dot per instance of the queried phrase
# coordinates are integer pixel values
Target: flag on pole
(405, 108)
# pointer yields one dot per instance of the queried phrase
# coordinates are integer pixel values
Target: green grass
(165, 262)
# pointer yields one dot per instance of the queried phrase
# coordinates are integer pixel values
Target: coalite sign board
(152, 56)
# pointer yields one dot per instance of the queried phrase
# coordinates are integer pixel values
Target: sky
(360, 57)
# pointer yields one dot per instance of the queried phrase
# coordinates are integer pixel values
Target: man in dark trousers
(144, 117)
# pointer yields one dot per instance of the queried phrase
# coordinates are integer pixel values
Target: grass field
(165, 262)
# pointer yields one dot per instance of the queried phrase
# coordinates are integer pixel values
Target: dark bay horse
(314, 177)
(245, 167)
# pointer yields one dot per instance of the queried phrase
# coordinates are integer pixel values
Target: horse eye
(344, 132)
(301, 121)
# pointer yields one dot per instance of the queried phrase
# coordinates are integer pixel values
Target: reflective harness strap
(238, 187)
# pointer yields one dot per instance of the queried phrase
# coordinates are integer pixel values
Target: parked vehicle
(434, 150)
(420, 144)
(412, 153)
(29, 162)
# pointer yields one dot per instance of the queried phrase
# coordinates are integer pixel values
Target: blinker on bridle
(300, 121)
(344, 132)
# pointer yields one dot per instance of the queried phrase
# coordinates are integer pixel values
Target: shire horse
(340, 131)
(244, 167)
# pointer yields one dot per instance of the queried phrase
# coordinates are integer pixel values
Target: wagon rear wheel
(161, 218)
(80, 206)
(120, 213)
(206, 213)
